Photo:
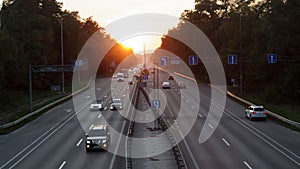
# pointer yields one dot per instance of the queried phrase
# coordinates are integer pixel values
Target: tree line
(250, 29)
(30, 33)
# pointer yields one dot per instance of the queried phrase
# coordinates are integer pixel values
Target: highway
(55, 140)
(237, 142)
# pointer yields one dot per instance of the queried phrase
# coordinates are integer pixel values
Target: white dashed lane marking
(79, 142)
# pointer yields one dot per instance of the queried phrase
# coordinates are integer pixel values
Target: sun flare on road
(143, 42)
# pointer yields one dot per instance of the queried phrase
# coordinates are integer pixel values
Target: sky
(108, 11)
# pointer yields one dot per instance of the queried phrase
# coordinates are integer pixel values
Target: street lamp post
(62, 55)
(144, 55)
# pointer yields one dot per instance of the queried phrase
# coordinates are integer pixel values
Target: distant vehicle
(114, 76)
(116, 104)
(98, 138)
(171, 78)
(96, 105)
(181, 85)
(166, 85)
(125, 73)
(131, 82)
(256, 112)
(120, 77)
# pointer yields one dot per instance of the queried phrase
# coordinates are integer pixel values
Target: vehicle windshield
(97, 133)
(96, 102)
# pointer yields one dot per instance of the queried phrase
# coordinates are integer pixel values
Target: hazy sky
(107, 11)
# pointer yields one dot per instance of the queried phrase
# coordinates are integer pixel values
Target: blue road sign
(193, 60)
(272, 58)
(145, 77)
(232, 59)
(164, 61)
(155, 104)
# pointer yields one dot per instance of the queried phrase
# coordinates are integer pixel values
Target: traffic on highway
(213, 85)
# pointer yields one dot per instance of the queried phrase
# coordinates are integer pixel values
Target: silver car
(256, 112)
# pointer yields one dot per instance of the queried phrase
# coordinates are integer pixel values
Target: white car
(166, 85)
(96, 105)
(253, 112)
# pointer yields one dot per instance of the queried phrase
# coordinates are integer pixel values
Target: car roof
(100, 127)
(255, 106)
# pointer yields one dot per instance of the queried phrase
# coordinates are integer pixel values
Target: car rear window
(259, 109)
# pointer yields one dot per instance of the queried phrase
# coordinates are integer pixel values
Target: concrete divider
(164, 126)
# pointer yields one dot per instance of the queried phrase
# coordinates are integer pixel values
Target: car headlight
(87, 146)
(104, 145)
(89, 142)
(103, 141)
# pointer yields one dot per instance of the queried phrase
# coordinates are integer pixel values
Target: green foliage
(30, 33)
(251, 29)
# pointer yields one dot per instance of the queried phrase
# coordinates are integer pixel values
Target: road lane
(61, 146)
(247, 149)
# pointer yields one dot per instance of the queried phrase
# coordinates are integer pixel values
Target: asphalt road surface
(56, 139)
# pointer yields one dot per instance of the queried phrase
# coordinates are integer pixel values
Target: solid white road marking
(91, 127)
(200, 115)
(193, 107)
(79, 142)
(62, 165)
(247, 165)
(226, 142)
(212, 127)
(99, 116)
(187, 101)
(105, 108)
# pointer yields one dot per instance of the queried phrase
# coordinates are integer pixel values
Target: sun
(142, 42)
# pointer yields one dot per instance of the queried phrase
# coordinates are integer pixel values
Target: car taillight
(265, 113)
(254, 112)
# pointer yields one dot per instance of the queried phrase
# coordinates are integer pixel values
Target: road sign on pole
(232, 59)
(145, 77)
(155, 104)
(272, 58)
(193, 60)
(164, 60)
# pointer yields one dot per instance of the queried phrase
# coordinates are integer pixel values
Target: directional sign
(164, 61)
(142, 84)
(193, 60)
(145, 77)
(155, 104)
(52, 68)
(272, 58)
(232, 59)
(175, 61)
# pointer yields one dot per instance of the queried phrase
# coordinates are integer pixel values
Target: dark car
(98, 138)
(116, 104)
(171, 78)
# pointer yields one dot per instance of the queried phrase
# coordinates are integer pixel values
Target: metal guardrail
(288, 121)
(291, 122)
(131, 130)
(10, 124)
